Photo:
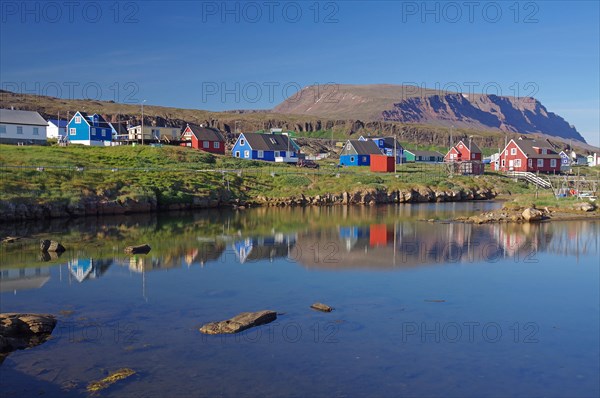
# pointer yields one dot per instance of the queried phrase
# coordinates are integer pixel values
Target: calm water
(421, 309)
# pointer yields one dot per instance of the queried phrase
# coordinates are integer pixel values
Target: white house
(22, 127)
(154, 133)
(56, 128)
(593, 160)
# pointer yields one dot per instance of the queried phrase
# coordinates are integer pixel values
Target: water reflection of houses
(176, 257)
(409, 244)
(17, 279)
(88, 268)
(264, 247)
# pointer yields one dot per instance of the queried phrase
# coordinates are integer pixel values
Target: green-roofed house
(413, 155)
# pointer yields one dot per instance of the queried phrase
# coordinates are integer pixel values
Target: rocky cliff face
(482, 112)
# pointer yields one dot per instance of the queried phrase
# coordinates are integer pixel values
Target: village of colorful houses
(381, 154)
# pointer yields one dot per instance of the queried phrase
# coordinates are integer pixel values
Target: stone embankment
(98, 206)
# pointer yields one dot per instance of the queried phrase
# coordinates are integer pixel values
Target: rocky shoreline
(531, 214)
(99, 206)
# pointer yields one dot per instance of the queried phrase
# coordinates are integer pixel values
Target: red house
(528, 155)
(382, 163)
(203, 138)
(462, 152)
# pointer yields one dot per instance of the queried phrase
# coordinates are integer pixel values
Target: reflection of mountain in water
(17, 279)
(88, 268)
(264, 247)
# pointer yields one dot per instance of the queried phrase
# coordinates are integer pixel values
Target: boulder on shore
(531, 214)
(584, 206)
(240, 322)
(20, 331)
(51, 246)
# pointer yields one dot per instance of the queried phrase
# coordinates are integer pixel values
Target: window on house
(273, 140)
(552, 162)
(503, 162)
(237, 154)
(2, 129)
(247, 154)
(261, 154)
(540, 163)
(216, 145)
(472, 156)
(517, 162)
(348, 146)
(513, 151)
(72, 131)
(205, 144)
(19, 129)
(530, 162)
(352, 158)
(36, 131)
(242, 142)
(77, 119)
(364, 158)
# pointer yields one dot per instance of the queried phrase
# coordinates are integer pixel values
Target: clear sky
(219, 55)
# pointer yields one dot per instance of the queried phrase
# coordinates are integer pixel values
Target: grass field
(177, 175)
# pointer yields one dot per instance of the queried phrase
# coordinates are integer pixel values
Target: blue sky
(243, 55)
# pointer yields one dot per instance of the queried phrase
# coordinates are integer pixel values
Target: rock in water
(530, 214)
(321, 307)
(51, 246)
(20, 331)
(141, 249)
(240, 322)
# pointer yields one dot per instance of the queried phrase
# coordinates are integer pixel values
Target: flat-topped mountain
(409, 104)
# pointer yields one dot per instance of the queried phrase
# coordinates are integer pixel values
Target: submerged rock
(20, 331)
(141, 249)
(110, 379)
(240, 322)
(321, 307)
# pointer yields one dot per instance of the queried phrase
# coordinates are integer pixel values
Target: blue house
(269, 147)
(565, 160)
(358, 153)
(386, 145)
(89, 130)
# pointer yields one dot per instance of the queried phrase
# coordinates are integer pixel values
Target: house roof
(120, 128)
(268, 142)
(90, 119)
(388, 141)
(11, 116)
(424, 153)
(474, 147)
(206, 133)
(59, 123)
(527, 146)
(365, 147)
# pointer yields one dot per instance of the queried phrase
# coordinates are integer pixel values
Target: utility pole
(143, 121)
(395, 154)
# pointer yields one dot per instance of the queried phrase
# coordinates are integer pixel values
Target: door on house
(511, 164)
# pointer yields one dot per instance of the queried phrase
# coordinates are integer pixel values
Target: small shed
(382, 163)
